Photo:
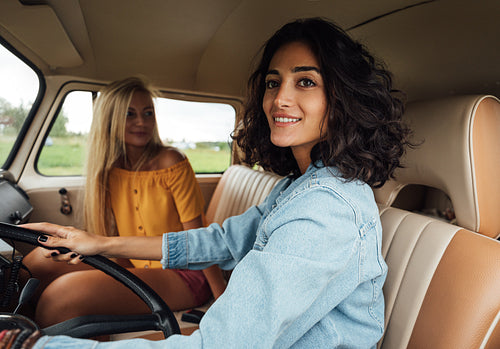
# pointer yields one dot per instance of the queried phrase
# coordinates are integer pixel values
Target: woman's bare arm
(87, 244)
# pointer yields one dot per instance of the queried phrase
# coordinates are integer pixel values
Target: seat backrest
(459, 154)
(239, 188)
(443, 283)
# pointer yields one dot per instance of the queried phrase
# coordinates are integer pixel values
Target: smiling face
(295, 101)
(141, 120)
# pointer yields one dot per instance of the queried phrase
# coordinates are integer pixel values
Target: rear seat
(443, 284)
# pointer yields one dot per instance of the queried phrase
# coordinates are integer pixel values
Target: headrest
(459, 154)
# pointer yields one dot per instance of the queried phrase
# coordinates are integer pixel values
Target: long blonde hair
(106, 148)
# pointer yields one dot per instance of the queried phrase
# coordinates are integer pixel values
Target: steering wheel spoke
(96, 325)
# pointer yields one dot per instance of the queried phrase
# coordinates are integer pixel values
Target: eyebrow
(305, 68)
(296, 70)
(147, 107)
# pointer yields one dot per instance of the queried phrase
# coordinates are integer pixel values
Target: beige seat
(239, 189)
(443, 284)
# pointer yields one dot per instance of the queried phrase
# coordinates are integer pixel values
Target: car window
(199, 129)
(63, 152)
(19, 86)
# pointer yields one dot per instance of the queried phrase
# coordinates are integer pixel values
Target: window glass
(19, 87)
(63, 153)
(200, 130)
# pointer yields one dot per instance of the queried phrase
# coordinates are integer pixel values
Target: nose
(284, 96)
(139, 120)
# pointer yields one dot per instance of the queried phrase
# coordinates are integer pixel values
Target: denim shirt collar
(290, 183)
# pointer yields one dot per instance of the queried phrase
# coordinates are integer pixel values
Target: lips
(139, 133)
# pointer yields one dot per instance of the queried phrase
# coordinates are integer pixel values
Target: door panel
(47, 200)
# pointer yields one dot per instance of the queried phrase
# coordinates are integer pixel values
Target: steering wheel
(160, 319)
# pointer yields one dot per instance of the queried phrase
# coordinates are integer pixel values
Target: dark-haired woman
(308, 269)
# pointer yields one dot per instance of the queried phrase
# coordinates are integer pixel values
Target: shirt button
(137, 208)
(135, 191)
(140, 227)
(146, 266)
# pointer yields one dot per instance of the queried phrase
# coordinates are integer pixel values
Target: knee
(36, 262)
(41, 267)
(63, 299)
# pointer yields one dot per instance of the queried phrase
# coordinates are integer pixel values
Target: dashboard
(15, 207)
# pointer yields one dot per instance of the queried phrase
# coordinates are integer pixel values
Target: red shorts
(197, 283)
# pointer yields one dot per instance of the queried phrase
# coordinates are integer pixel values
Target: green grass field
(66, 157)
(6, 143)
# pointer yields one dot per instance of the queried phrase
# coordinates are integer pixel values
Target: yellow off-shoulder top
(150, 203)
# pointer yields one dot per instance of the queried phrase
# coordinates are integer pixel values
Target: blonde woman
(135, 186)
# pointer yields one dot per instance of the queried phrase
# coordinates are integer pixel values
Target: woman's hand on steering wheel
(81, 243)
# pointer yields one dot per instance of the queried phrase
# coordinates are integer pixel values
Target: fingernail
(53, 254)
(42, 238)
(73, 255)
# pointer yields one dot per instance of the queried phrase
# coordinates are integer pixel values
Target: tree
(59, 126)
(12, 119)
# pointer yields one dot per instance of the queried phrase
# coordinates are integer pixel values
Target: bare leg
(46, 270)
(93, 292)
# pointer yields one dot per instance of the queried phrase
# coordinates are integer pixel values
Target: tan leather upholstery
(466, 303)
(442, 288)
(239, 189)
(460, 155)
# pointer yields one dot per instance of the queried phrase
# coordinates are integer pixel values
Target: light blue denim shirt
(308, 271)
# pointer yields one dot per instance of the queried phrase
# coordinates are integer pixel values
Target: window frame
(88, 86)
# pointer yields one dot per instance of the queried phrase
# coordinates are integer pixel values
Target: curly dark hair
(365, 136)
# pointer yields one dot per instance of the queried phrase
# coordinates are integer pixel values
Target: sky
(18, 83)
(178, 121)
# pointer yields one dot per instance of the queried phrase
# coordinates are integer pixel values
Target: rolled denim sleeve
(224, 245)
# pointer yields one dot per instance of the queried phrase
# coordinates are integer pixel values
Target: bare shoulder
(169, 156)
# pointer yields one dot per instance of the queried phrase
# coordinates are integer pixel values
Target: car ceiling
(434, 48)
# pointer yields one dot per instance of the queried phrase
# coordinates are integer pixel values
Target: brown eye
(271, 84)
(306, 83)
